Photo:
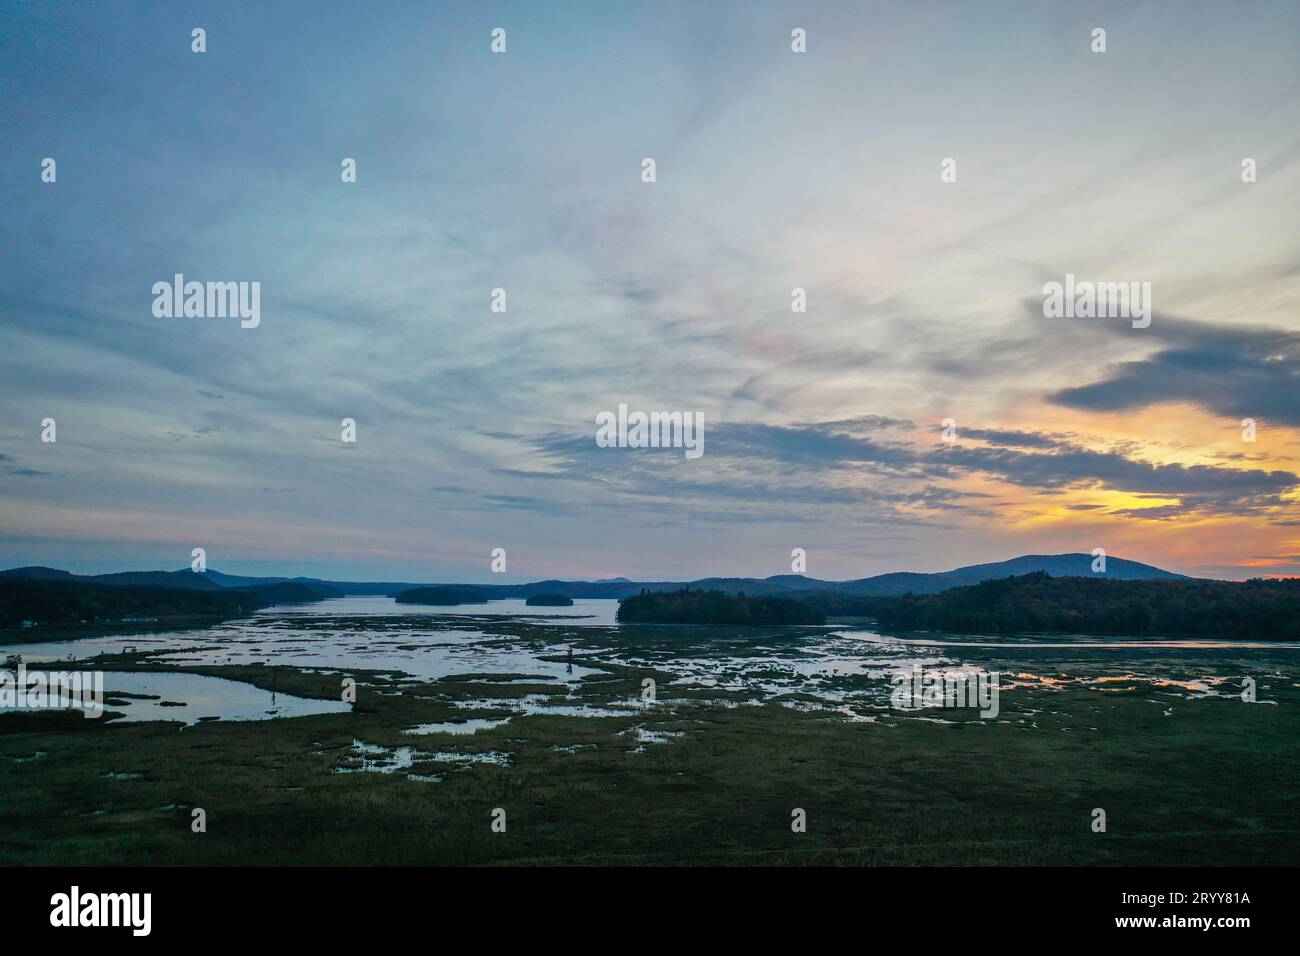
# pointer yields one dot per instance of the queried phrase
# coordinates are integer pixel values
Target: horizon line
(619, 578)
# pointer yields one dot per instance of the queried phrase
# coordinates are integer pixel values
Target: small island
(549, 600)
(713, 607)
(441, 596)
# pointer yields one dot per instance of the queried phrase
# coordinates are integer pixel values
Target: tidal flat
(458, 714)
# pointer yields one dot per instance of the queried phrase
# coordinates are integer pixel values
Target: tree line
(689, 606)
(1261, 608)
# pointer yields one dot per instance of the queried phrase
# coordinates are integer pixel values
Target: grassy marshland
(1211, 782)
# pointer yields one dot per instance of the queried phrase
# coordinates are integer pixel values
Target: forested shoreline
(1263, 609)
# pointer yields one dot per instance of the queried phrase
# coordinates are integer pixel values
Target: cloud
(850, 463)
(9, 466)
(676, 295)
(1230, 370)
(1015, 439)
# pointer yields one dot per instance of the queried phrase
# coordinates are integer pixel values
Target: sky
(774, 170)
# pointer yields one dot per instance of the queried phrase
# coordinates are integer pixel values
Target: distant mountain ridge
(1056, 565)
(893, 583)
(153, 579)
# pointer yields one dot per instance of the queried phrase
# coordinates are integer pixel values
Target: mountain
(891, 584)
(37, 573)
(1056, 565)
(320, 589)
(267, 591)
(287, 592)
(186, 579)
(326, 588)
(235, 580)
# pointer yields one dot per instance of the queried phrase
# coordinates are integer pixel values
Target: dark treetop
(714, 607)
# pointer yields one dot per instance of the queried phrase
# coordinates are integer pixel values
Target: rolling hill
(894, 583)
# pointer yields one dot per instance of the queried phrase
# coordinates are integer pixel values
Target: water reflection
(191, 698)
(843, 672)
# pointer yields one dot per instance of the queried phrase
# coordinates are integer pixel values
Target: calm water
(586, 612)
(845, 669)
(190, 698)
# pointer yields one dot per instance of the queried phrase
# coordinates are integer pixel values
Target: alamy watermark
(651, 430)
(1098, 300)
(21, 689)
(209, 300)
(75, 908)
(917, 689)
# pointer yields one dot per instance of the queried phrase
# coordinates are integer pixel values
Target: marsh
(459, 713)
